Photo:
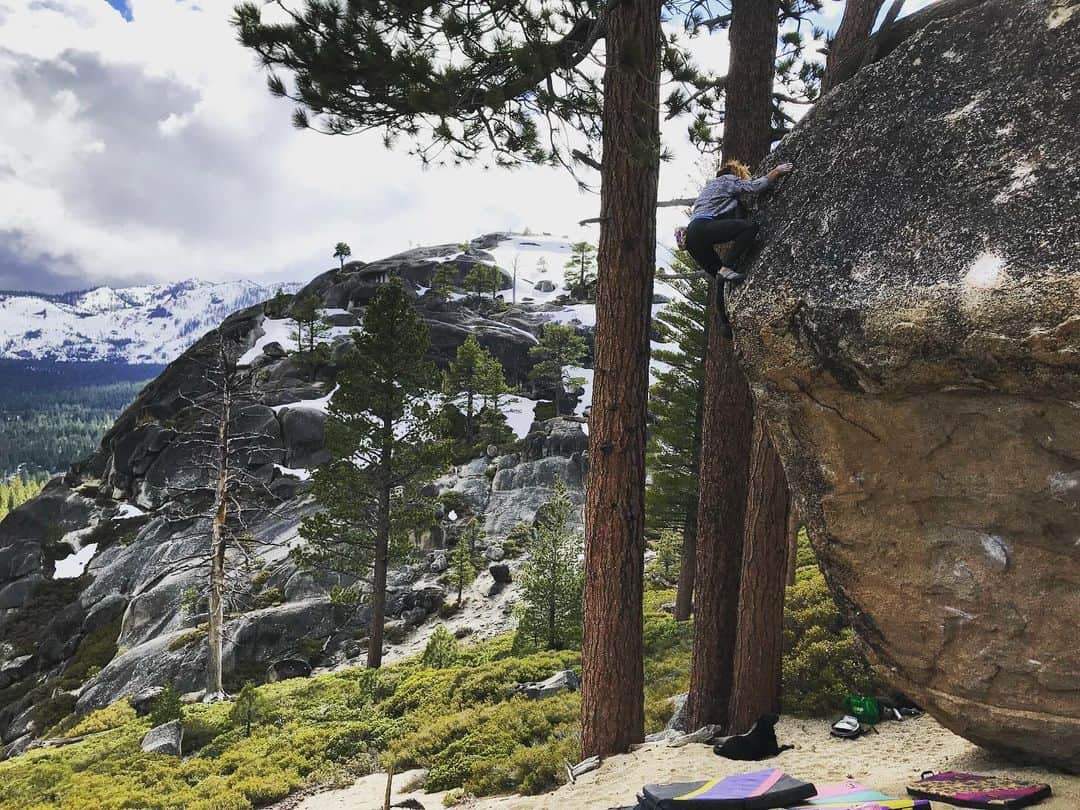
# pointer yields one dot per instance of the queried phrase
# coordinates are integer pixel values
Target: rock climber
(720, 216)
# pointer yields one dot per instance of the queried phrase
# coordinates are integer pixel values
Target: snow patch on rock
(75, 564)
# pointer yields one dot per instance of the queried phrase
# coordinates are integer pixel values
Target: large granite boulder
(912, 333)
(167, 739)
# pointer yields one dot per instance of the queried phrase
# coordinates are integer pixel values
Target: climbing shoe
(728, 274)
(691, 276)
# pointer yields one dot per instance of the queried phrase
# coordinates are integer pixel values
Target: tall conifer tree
(381, 434)
(675, 403)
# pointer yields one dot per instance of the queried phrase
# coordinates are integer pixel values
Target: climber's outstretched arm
(759, 184)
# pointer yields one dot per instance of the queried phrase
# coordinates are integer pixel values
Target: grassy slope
(459, 722)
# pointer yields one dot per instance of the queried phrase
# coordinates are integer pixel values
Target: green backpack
(865, 709)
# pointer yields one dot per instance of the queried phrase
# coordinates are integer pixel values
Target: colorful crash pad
(757, 790)
(853, 796)
(977, 790)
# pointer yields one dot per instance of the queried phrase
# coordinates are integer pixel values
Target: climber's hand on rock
(781, 170)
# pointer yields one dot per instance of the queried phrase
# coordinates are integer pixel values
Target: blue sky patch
(121, 6)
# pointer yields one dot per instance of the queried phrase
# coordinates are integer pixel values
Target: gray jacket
(722, 193)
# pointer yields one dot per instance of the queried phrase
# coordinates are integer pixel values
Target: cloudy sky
(138, 143)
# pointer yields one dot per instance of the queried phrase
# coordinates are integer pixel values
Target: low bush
(184, 639)
(441, 650)
(112, 716)
(166, 706)
(821, 661)
(49, 712)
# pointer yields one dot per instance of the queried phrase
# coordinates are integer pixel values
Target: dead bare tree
(216, 488)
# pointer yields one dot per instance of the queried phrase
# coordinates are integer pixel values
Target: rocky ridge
(109, 549)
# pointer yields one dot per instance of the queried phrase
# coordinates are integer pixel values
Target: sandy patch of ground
(886, 761)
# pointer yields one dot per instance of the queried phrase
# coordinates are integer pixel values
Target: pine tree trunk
(726, 426)
(793, 541)
(850, 40)
(382, 546)
(760, 646)
(751, 71)
(469, 416)
(612, 694)
(378, 581)
(684, 594)
(216, 614)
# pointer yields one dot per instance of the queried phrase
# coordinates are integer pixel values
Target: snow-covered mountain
(146, 324)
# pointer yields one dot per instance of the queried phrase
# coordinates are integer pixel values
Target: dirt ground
(887, 761)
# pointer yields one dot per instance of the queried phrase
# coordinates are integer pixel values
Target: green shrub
(441, 650)
(668, 645)
(269, 598)
(23, 629)
(112, 716)
(47, 713)
(184, 639)
(166, 706)
(471, 747)
(821, 662)
(345, 597)
(250, 709)
(261, 790)
(223, 801)
(95, 651)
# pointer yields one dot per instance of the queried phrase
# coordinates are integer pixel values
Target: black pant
(703, 234)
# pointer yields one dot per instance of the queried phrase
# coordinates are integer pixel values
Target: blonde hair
(735, 167)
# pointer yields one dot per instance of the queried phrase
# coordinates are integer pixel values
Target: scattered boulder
(143, 701)
(342, 319)
(500, 572)
(439, 562)
(544, 285)
(20, 745)
(15, 670)
(677, 721)
(414, 616)
(164, 739)
(303, 433)
(494, 552)
(565, 681)
(287, 669)
(912, 338)
(275, 350)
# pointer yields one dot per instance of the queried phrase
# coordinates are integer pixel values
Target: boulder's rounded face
(911, 328)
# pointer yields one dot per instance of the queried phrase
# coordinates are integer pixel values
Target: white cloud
(151, 149)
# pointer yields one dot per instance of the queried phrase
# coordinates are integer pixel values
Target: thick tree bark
(728, 419)
(612, 690)
(684, 593)
(378, 583)
(851, 36)
(216, 614)
(751, 71)
(760, 646)
(726, 427)
(382, 546)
